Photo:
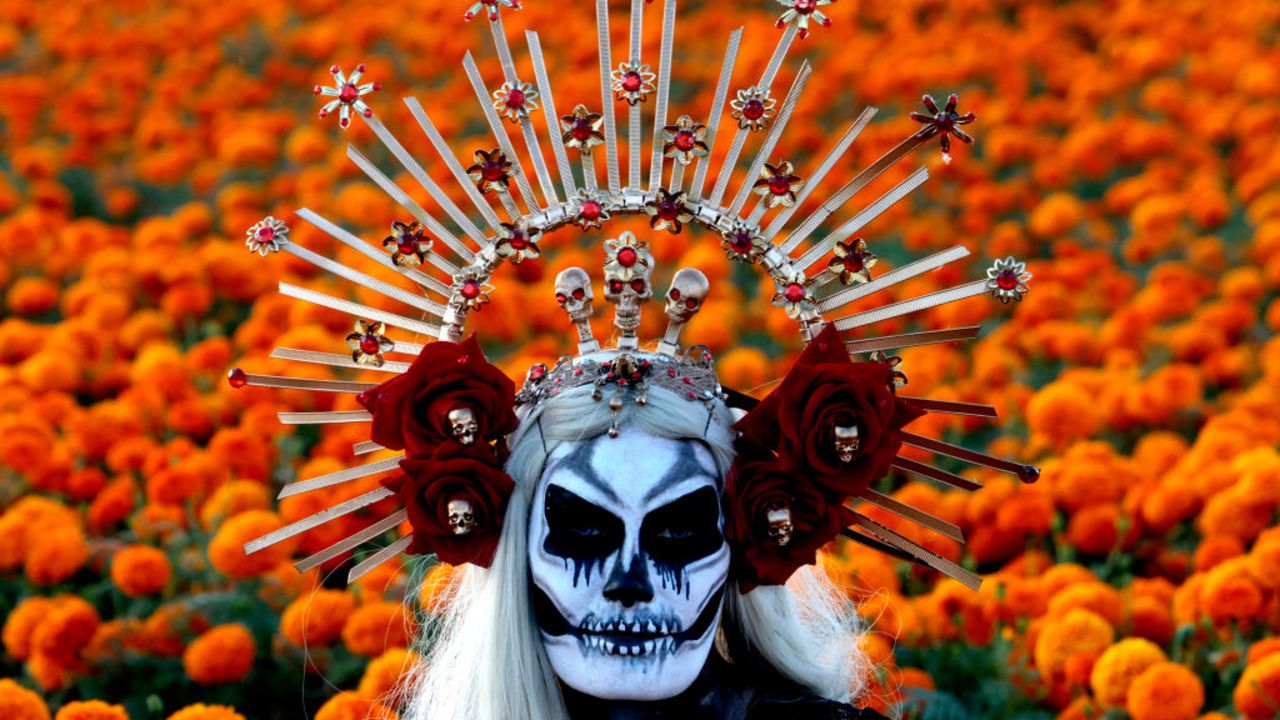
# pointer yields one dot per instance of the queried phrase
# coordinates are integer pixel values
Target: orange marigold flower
(317, 619)
(1079, 631)
(140, 570)
(164, 630)
(48, 672)
(1119, 665)
(224, 654)
(91, 710)
(1230, 594)
(22, 622)
(1214, 549)
(19, 703)
(1096, 596)
(1263, 648)
(67, 628)
(1256, 692)
(374, 628)
(349, 706)
(206, 712)
(1165, 691)
(1062, 412)
(1149, 618)
(433, 595)
(233, 498)
(59, 554)
(385, 676)
(226, 550)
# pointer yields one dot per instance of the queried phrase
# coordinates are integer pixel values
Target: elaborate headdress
(807, 453)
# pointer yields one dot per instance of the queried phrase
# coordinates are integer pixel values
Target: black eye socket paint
(580, 532)
(682, 531)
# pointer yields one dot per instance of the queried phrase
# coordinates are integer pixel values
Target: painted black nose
(632, 585)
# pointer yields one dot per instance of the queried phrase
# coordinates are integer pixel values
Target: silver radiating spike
(379, 557)
(335, 360)
(717, 109)
(379, 256)
(965, 454)
(916, 515)
(407, 348)
(610, 146)
(952, 407)
(500, 133)
(549, 109)
(311, 521)
(771, 139)
(829, 162)
(455, 168)
(352, 541)
(915, 339)
(857, 222)
(339, 477)
(843, 297)
(916, 304)
(365, 447)
(292, 383)
(923, 554)
(635, 121)
(933, 473)
(358, 310)
(359, 278)
(326, 417)
(779, 54)
(664, 91)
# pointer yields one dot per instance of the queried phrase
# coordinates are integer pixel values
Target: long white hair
(484, 655)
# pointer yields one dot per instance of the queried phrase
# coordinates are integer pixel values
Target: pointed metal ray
(857, 222)
(779, 54)
(339, 477)
(366, 447)
(526, 123)
(378, 558)
(829, 162)
(915, 515)
(553, 117)
(610, 146)
(385, 289)
(915, 339)
(635, 121)
(407, 348)
(416, 170)
(844, 194)
(293, 383)
(504, 50)
(318, 519)
(335, 360)
(402, 198)
(327, 417)
(771, 139)
(843, 297)
(664, 92)
(906, 307)
(965, 454)
(952, 407)
(352, 541)
(381, 257)
(878, 545)
(925, 555)
(933, 473)
(455, 167)
(500, 133)
(717, 109)
(358, 310)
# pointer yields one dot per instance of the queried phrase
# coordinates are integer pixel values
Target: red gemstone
(561, 298)
(741, 243)
(591, 210)
(369, 345)
(685, 140)
(853, 262)
(579, 293)
(537, 372)
(581, 130)
(266, 233)
(470, 289)
(691, 303)
(753, 110)
(407, 246)
(1007, 280)
(780, 184)
(492, 172)
(674, 294)
(638, 285)
(348, 93)
(515, 99)
(237, 378)
(631, 82)
(805, 7)
(794, 293)
(518, 241)
(668, 210)
(627, 257)
(615, 286)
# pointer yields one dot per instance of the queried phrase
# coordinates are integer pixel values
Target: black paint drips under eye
(581, 532)
(682, 531)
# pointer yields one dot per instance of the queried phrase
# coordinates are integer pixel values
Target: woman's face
(628, 563)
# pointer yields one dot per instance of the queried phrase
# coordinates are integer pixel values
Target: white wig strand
(484, 656)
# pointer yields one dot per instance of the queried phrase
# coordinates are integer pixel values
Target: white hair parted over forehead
(484, 655)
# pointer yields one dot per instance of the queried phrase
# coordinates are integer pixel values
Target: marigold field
(1130, 151)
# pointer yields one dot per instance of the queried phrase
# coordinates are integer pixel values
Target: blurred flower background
(1129, 151)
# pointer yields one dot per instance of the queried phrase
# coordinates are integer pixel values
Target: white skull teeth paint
(628, 564)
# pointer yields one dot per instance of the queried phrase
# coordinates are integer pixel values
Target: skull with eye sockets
(573, 292)
(462, 517)
(463, 425)
(628, 563)
(689, 289)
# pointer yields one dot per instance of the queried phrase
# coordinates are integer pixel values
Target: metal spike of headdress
(815, 276)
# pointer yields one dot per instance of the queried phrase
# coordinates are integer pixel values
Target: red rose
(456, 472)
(410, 412)
(752, 490)
(826, 389)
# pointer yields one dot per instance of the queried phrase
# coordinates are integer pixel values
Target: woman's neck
(696, 703)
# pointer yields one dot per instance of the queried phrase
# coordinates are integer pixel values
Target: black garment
(723, 692)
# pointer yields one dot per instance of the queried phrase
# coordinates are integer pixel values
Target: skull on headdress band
(627, 283)
(847, 442)
(463, 425)
(778, 518)
(461, 516)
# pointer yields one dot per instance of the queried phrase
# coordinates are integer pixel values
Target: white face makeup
(628, 562)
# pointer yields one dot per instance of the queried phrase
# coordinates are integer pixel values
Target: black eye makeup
(682, 531)
(579, 531)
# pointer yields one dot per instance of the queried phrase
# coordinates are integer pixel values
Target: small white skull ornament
(573, 292)
(847, 442)
(689, 289)
(778, 517)
(462, 422)
(462, 517)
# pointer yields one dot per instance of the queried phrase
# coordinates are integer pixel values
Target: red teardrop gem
(237, 378)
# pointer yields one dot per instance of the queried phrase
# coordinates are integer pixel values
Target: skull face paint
(628, 563)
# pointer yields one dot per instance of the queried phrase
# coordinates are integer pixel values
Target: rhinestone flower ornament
(943, 122)
(793, 293)
(408, 244)
(685, 141)
(778, 185)
(626, 257)
(593, 210)
(515, 101)
(753, 108)
(470, 289)
(668, 211)
(852, 262)
(896, 376)
(266, 235)
(744, 242)
(516, 243)
(633, 82)
(801, 12)
(491, 171)
(346, 93)
(582, 129)
(1007, 279)
(368, 343)
(492, 7)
